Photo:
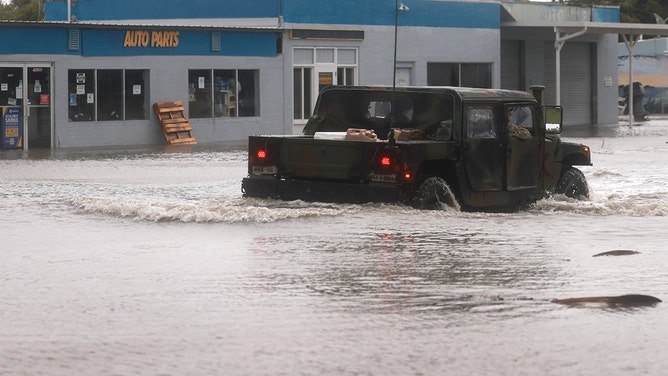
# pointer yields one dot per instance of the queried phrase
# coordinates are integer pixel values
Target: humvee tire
(434, 194)
(573, 184)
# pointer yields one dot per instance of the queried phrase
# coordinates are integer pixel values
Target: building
(89, 74)
(650, 69)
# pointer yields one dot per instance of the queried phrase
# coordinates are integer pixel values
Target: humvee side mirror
(553, 119)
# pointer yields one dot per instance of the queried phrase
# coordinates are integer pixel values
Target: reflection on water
(149, 261)
(426, 270)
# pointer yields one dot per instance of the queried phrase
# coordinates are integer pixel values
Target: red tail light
(386, 161)
(261, 154)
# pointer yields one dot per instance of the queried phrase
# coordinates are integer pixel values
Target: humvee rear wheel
(573, 184)
(434, 194)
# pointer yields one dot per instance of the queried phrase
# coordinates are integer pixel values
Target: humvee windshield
(380, 110)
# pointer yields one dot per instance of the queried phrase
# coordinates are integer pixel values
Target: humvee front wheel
(573, 184)
(434, 194)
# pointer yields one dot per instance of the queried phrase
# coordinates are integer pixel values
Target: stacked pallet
(175, 126)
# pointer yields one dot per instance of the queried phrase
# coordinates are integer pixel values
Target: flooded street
(149, 261)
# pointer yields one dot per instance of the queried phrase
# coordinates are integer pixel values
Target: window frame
(92, 86)
(458, 69)
(345, 68)
(223, 93)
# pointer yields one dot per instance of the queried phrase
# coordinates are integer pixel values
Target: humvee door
(523, 147)
(483, 148)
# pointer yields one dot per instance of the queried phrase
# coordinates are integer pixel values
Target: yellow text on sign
(160, 39)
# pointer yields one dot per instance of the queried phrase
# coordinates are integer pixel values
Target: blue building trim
(605, 14)
(55, 11)
(101, 10)
(426, 13)
(101, 42)
(422, 13)
(35, 40)
(110, 42)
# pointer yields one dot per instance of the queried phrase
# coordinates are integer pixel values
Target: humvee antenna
(397, 8)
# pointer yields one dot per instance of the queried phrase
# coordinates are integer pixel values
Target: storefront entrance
(25, 100)
(314, 69)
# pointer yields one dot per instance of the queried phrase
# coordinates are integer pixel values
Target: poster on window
(12, 127)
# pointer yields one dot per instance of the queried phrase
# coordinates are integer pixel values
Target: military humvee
(474, 149)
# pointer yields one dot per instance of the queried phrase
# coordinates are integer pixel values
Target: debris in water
(618, 252)
(632, 300)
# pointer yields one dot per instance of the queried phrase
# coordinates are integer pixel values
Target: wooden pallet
(175, 126)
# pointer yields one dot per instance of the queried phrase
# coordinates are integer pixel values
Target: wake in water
(241, 210)
(639, 205)
(226, 211)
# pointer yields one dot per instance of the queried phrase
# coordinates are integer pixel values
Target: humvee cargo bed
(474, 149)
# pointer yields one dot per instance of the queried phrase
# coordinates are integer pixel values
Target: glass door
(11, 106)
(325, 76)
(25, 104)
(37, 107)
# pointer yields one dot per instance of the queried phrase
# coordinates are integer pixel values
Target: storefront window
(225, 93)
(302, 95)
(346, 76)
(248, 91)
(230, 93)
(136, 100)
(11, 93)
(456, 74)
(109, 94)
(477, 75)
(199, 93)
(442, 74)
(81, 90)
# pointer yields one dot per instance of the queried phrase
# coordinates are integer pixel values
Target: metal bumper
(287, 189)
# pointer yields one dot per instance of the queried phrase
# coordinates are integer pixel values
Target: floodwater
(121, 262)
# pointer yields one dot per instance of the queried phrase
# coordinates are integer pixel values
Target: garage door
(510, 65)
(576, 81)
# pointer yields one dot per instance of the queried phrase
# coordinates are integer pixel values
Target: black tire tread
(434, 194)
(573, 184)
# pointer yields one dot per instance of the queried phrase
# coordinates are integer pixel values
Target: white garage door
(510, 65)
(576, 81)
